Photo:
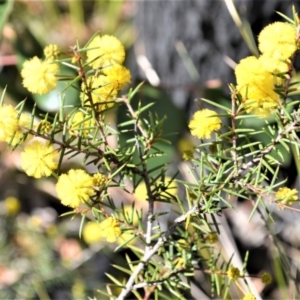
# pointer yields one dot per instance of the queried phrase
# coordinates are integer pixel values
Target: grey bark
(207, 31)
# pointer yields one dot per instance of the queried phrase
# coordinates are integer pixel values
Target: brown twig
(83, 76)
(145, 175)
(234, 135)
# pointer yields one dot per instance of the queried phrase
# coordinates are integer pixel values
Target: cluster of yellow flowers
(169, 187)
(212, 238)
(80, 124)
(286, 195)
(249, 296)
(204, 122)
(266, 278)
(101, 83)
(12, 205)
(38, 158)
(106, 55)
(108, 230)
(74, 188)
(40, 77)
(257, 77)
(233, 273)
(77, 186)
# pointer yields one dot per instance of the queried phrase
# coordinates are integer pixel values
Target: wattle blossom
(99, 180)
(23, 122)
(278, 40)
(104, 51)
(103, 93)
(51, 52)
(169, 188)
(233, 273)
(78, 124)
(39, 159)
(273, 65)
(249, 296)
(8, 122)
(92, 233)
(74, 188)
(39, 77)
(12, 205)
(204, 122)
(266, 278)
(110, 229)
(276, 67)
(256, 85)
(286, 195)
(116, 76)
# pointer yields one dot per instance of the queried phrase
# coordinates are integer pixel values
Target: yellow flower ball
(182, 245)
(44, 127)
(102, 93)
(91, 233)
(74, 188)
(129, 235)
(186, 148)
(251, 71)
(286, 195)
(117, 76)
(12, 205)
(99, 180)
(233, 273)
(249, 296)
(105, 50)
(51, 52)
(167, 188)
(187, 155)
(131, 212)
(273, 65)
(24, 122)
(110, 229)
(8, 122)
(204, 122)
(179, 263)
(79, 289)
(212, 238)
(260, 102)
(278, 40)
(39, 159)
(141, 192)
(78, 124)
(256, 85)
(266, 278)
(39, 77)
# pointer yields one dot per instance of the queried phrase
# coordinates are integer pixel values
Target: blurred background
(183, 50)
